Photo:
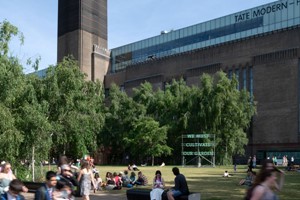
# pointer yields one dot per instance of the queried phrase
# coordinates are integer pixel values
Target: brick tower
(82, 32)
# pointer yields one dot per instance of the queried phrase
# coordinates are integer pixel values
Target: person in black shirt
(181, 187)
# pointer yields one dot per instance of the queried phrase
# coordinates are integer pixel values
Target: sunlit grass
(209, 181)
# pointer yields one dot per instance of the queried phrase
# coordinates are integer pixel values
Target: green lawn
(210, 183)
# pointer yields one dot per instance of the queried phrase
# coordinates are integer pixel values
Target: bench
(295, 167)
(144, 194)
(32, 186)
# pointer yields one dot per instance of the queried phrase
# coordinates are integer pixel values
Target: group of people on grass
(62, 184)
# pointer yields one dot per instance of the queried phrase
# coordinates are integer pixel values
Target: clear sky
(128, 21)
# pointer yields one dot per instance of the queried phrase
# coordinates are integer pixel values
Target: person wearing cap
(67, 178)
(45, 192)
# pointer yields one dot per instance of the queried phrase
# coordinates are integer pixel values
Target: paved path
(98, 196)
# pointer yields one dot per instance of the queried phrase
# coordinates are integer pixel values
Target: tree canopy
(63, 113)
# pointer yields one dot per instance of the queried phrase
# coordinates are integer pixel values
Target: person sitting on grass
(132, 177)
(135, 168)
(117, 180)
(126, 180)
(141, 180)
(226, 174)
(110, 182)
(98, 182)
(248, 181)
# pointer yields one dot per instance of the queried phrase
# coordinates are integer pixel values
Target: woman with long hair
(263, 186)
(158, 186)
(6, 176)
(269, 165)
(85, 177)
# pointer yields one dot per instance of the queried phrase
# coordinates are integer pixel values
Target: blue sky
(128, 21)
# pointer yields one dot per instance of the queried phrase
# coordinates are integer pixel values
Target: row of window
(262, 19)
(244, 77)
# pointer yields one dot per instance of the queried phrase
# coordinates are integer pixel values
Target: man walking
(181, 187)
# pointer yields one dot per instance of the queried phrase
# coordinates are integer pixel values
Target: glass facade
(244, 78)
(251, 82)
(259, 20)
(237, 75)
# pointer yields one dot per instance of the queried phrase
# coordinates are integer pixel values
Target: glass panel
(229, 74)
(237, 76)
(245, 78)
(284, 15)
(251, 82)
(213, 24)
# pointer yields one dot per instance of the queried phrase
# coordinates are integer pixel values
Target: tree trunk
(152, 160)
(32, 163)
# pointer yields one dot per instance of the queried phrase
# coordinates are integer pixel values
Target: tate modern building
(261, 46)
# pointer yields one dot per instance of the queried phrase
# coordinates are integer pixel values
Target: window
(244, 78)
(251, 82)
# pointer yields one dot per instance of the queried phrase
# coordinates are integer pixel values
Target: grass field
(210, 183)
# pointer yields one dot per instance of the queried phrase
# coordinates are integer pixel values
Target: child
(226, 174)
(98, 182)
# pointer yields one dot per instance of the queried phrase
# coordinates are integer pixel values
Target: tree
(148, 139)
(75, 108)
(226, 112)
(7, 31)
(121, 113)
(12, 84)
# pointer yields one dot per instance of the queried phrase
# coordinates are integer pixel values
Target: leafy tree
(11, 138)
(121, 113)
(226, 112)
(75, 108)
(148, 139)
(11, 89)
(7, 31)
(64, 113)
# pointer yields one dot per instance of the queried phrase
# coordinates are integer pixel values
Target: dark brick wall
(274, 59)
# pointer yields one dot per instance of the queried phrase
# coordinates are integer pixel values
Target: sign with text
(198, 144)
(197, 136)
(196, 153)
(193, 141)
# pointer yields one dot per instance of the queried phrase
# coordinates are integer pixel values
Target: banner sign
(200, 153)
(198, 144)
(197, 136)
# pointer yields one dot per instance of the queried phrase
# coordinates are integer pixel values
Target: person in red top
(118, 181)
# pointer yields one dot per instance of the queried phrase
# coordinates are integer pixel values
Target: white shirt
(10, 197)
